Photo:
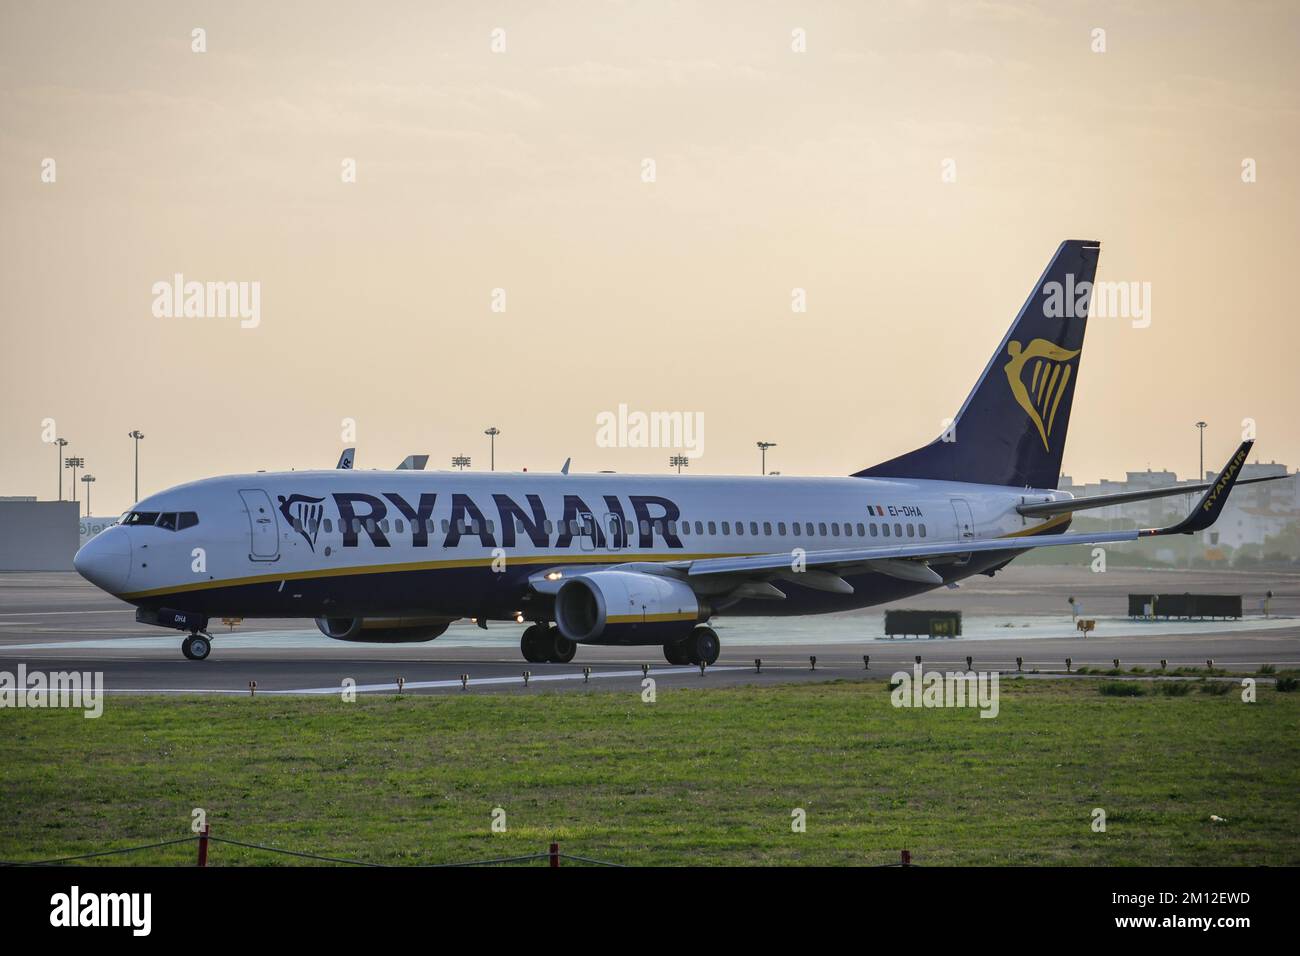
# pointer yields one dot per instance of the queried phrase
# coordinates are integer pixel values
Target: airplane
(612, 559)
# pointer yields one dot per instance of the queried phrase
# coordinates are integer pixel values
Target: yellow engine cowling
(626, 607)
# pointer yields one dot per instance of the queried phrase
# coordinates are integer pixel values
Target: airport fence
(205, 839)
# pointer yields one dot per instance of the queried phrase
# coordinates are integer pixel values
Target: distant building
(38, 535)
(1252, 514)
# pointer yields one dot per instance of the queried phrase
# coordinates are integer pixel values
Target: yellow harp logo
(1049, 373)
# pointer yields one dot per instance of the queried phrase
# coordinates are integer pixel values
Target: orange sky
(522, 170)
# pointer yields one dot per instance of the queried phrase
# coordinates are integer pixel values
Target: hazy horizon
(522, 170)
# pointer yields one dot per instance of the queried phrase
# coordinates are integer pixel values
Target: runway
(57, 622)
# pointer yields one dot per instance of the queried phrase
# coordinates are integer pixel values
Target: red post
(203, 846)
(907, 858)
(555, 855)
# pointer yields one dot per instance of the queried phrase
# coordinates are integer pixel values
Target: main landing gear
(546, 645)
(197, 646)
(700, 647)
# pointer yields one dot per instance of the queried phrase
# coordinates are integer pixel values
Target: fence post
(203, 845)
(906, 858)
(555, 855)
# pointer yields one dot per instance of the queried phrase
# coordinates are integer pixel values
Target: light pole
(74, 464)
(88, 479)
(492, 434)
(59, 444)
(460, 461)
(679, 462)
(137, 435)
(1200, 427)
(763, 446)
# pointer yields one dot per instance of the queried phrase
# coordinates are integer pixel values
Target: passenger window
(753, 528)
(740, 527)
(699, 527)
(370, 525)
(713, 528)
(767, 527)
(848, 530)
(383, 525)
(922, 531)
(726, 527)
(835, 529)
(873, 529)
(685, 529)
(398, 526)
(821, 528)
(862, 532)
(808, 528)
(645, 527)
(911, 531)
(627, 527)
(446, 526)
(886, 529)
(550, 528)
(898, 530)
(329, 526)
(780, 528)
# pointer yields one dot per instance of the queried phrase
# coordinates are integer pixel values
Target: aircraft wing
(909, 561)
(1064, 505)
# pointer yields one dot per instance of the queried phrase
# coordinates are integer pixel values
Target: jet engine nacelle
(626, 607)
(382, 630)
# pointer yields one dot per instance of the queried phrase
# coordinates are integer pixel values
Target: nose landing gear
(197, 646)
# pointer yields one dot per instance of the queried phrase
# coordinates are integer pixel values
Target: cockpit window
(167, 520)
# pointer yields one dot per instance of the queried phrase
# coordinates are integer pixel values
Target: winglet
(345, 459)
(1210, 506)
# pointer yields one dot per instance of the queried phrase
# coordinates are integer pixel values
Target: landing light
(519, 617)
(554, 576)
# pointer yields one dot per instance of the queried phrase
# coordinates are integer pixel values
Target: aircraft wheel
(678, 653)
(703, 646)
(561, 648)
(197, 647)
(533, 643)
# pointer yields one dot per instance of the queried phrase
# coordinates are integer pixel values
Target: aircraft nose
(105, 561)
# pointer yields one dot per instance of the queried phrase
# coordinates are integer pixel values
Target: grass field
(699, 777)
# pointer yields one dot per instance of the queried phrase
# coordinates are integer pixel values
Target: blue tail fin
(1011, 429)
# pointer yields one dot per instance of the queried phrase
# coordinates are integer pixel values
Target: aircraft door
(263, 528)
(587, 531)
(965, 525)
(613, 531)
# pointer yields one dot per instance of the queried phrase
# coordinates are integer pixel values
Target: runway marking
(424, 684)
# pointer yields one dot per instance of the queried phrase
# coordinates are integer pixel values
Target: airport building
(38, 535)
